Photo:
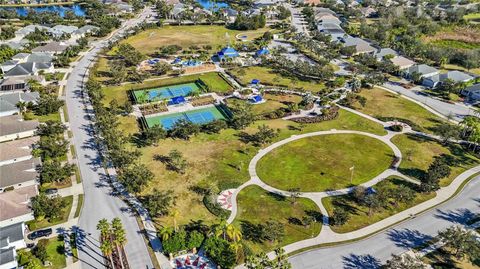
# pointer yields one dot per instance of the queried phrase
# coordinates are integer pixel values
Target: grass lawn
(223, 159)
(79, 206)
(277, 208)
(43, 118)
(149, 41)
(419, 153)
(381, 103)
(475, 71)
(273, 103)
(55, 253)
(268, 76)
(472, 16)
(443, 259)
(322, 163)
(456, 44)
(212, 79)
(128, 125)
(40, 224)
(359, 217)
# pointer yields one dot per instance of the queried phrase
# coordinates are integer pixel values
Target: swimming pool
(197, 116)
(166, 92)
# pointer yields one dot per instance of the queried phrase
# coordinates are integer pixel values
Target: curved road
(371, 252)
(99, 201)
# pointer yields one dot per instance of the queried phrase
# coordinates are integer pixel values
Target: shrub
(396, 128)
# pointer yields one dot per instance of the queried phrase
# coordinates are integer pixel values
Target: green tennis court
(166, 92)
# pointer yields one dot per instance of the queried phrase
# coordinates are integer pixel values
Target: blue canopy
(257, 98)
(255, 81)
(227, 52)
(177, 100)
(262, 51)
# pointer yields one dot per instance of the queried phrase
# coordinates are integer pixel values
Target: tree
(264, 135)
(462, 242)
(359, 193)
(51, 128)
(281, 260)
(194, 240)
(402, 194)
(447, 132)
(233, 233)
(129, 54)
(119, 237)
(339, 216)
(135, 177)
(220, 252)
(176, 162)
(51, 148)
(48, 104)
(159, 203)
(153, 134)
(166, 232)
(161, 68)
(374, 202)
(294, 194)
(54, 171)
(404, 262)
(40, 250)
(242, 115)
(273, 230)
(183, 129)
(47, 207)
(437, 170)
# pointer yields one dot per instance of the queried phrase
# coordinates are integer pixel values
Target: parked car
(40, 233)
(51, 191)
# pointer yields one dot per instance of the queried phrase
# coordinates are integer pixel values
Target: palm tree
(234, 233)
(104, 227)
(119, 238)
(166, 232)
(106, 248)
(221, 228)
(21, 107)
(174, 215)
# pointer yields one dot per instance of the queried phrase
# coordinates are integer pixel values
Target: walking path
(326, 234)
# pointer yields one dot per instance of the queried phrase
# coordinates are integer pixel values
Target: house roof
(30, 28)
(384, 52)
(20, 56)
(61, 29)
(16, 203)
(473, 88)
(360, 44)
(9, 62)
(456, 76)
(17, 148)
(13, 232)
(23, 69)
(51, 47)
(7, 255)
(422, 69)
(15, 124)
(402, 62)
(324, 17)
(19, 172)
(40, 57)
(17, 80)
(12, 99)
(322, 10)
(86, 29)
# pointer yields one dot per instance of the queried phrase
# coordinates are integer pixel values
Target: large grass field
(418, 153)
(149, 41)
(381, 103)
(223, 159)
(268, 76)
(257, 206)
(119, 93)
(323, 163)
(359, 217)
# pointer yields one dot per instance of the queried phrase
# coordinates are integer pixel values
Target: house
(24, 58)
(368, 12)
(15, 205)
(52, 48)
(265, 3)
(402, 63)
(381, 53)
(17, 150)
(29, 69)
(227, 53)
(327, 18)
(333, 30)
(455, 76)
(9, 101)
(11, 239)
(124, 7)
(230, 14)
(308, 2)
(19, 83)
(361, 46)
(84, 31)
(22, 32)
(422, 69)
(8, 65)
(19, 174)
(472, 93)
(60, 30)
(14, 127)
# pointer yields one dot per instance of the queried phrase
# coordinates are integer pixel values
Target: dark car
(51, 191)
(40, 233)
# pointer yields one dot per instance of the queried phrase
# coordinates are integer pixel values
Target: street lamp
(351, 173)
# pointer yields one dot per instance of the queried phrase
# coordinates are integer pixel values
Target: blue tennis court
(166, 92)
(199, 116)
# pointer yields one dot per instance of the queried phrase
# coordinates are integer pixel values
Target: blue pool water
(60, 10)
(213, 5)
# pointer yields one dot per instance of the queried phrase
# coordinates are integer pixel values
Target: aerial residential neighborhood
(240, 134)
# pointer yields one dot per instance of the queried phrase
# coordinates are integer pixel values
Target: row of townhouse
(329, 24)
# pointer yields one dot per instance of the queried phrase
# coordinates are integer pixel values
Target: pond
(60, 10)
(213, 5)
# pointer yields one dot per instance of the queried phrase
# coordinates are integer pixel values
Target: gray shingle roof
(10, 100)
(23, 69)
(40, 57)
(456, 76)
(7, 255)
(51, 47)
(13, 232)
(15, 124)
(18, 148)
(422, 69)
(19, 172)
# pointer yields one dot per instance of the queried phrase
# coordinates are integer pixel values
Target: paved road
(371, 252)
(99, 203)
(298, 20)
(457, 111)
